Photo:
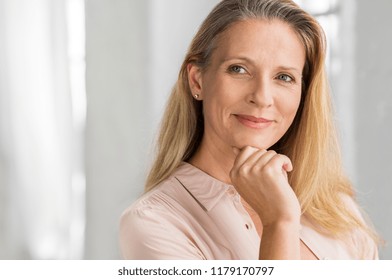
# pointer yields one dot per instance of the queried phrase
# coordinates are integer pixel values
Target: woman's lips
(253, 122)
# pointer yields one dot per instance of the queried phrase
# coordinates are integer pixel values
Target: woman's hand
(260, 177)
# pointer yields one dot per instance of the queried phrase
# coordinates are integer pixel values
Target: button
(231, 191)
(247, 226)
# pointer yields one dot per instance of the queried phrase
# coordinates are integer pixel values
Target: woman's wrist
(280, 241)
(282, 225)
(281, 219)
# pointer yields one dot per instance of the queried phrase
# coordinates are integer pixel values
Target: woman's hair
(311, 141)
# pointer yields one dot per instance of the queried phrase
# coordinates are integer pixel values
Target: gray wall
(116, 120)
(373, 113)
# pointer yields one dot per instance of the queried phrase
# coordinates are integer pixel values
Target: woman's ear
(195, 80)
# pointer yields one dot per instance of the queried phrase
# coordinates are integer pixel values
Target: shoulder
(153, 226)
(152, 209)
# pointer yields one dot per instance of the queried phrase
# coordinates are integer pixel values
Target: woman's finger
(280, 163)
(253, 159)
(243, 155)
(263, 160)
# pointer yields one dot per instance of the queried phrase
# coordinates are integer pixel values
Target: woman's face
(251, 89)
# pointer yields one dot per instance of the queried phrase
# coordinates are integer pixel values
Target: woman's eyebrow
(288, 68)
(244, 58)
(251, 61)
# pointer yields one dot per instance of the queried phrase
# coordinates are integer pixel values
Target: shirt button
(231, 192)
(247, 226)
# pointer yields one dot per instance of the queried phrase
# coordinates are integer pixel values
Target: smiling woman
(248, 165)
(246, 86)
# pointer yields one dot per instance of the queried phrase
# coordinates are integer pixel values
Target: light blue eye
(285, 78)
(237, 69)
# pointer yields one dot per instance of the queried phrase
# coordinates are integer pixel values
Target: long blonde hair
(311, 141)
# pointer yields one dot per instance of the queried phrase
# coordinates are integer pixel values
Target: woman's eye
(237, 69)
(285, 78)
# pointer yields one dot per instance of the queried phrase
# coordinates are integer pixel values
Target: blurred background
(83, 84)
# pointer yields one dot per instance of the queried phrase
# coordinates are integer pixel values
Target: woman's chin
(256, 145)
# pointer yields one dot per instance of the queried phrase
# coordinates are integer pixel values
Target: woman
(248, 165)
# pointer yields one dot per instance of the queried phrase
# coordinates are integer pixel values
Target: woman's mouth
(253, 122)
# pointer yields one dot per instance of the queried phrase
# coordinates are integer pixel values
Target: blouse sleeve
(153, 234)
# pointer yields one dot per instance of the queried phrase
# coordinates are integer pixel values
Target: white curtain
(36, 132)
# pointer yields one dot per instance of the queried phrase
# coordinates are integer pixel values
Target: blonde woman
(248, 165)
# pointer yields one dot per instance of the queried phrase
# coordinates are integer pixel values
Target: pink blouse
(192, 215)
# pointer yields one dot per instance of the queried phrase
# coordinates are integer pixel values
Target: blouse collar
(205, 189)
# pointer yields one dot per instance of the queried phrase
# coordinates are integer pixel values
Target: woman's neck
(214, 160)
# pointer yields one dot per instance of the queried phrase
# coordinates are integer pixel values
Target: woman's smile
(253, 122)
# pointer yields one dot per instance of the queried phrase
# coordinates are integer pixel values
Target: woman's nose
(261, 93)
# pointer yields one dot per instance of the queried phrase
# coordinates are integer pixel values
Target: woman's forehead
(259, 40)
